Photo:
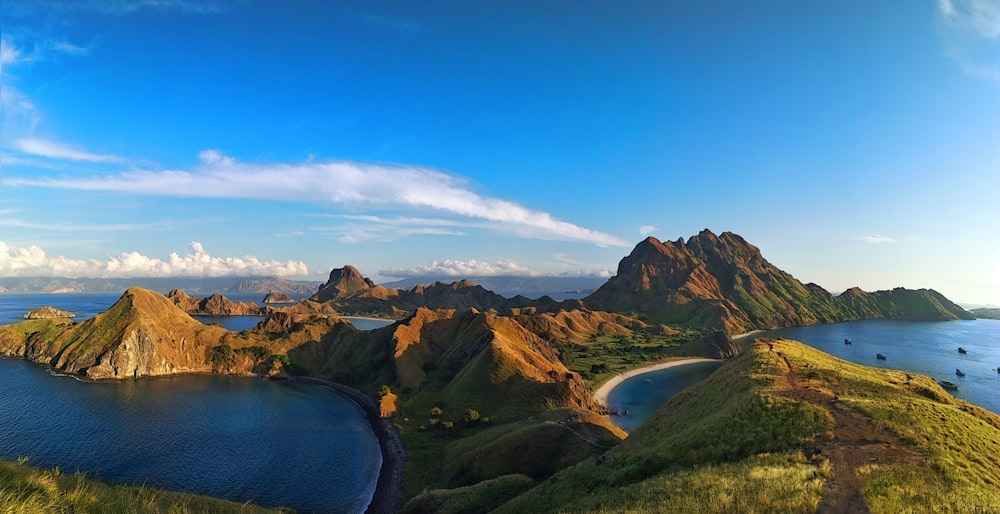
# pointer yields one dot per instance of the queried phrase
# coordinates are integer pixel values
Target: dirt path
(857, 442)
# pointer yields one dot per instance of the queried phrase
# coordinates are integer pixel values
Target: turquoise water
(642, 395)
(273, 443)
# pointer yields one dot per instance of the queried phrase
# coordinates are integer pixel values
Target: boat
(648, 380)
(959, 372)
(880, 357)
(947, 384)
(847, 341)
(961, 350)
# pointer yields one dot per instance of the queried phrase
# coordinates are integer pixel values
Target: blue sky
(855, 143)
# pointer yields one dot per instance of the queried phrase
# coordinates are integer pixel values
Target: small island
(48, 312)
(278, 298)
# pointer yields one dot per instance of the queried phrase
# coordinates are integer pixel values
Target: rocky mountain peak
(346, 280)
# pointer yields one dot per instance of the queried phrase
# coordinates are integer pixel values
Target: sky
(855, 143)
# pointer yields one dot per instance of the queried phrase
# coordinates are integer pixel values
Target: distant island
(986, 313)
(494, 395)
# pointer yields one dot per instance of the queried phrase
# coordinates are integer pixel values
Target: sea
(282, 443)
(925, 347)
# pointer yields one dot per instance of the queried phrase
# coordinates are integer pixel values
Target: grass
(604, 356)
(737, 443)
(29, 490)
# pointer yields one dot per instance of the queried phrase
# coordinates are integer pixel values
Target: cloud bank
(345, 184)
(32, 261)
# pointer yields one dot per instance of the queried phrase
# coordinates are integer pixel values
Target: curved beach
(601, 394)
(388, 495)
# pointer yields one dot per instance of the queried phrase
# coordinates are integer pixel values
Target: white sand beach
(601, 395)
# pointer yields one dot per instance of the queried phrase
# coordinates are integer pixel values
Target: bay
(274, 443)
(643, 394)
(926, 347)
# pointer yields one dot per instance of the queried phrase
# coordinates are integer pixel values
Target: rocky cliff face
(724, 282)
(343, 282)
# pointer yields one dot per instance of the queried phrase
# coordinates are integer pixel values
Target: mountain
(724, 282)
(214, 305)
(351, 292)
(986, 313)
(556, 287)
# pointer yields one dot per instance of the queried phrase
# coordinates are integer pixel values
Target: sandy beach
(601, 395)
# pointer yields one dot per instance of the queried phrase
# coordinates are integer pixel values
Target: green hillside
(786, 428)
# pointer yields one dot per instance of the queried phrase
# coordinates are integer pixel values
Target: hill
(786, 428)
(724, 282)
(348, 291)
(142, 334)
(986, 313)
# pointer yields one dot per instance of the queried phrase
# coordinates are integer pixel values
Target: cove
(289, 444)
(643, 394)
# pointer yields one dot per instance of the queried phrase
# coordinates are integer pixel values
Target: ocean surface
(13, 306)
(929, 348)
(926, 347)
(273, 443)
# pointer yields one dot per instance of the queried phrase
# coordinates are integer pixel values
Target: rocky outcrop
(48, 312)
(343, 282)
(278, 298)
(215, 305)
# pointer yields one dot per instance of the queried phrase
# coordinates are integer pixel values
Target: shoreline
(388, 495)
(746, 334)
(601, 394)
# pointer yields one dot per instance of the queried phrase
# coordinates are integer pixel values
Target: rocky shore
(388, 497)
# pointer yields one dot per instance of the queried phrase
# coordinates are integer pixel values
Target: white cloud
(9, 54)
(878, 239)
(457, 268)
(56, 150)
(971, 35)
(347, 184)
(646, 230)
(33, 261)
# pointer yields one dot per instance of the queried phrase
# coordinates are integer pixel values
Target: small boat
(648, 380)
(961, 350)
(880, 357)
(847, 341)
(959, 372)
(998, 369)
(947, 384)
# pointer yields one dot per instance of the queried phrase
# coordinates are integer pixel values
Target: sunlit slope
(786, 428)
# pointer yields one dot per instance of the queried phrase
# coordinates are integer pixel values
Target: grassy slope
(738, 442)
(29, 490)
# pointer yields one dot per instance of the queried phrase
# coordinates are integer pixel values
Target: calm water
(928, 348)
(273, 443)
(642, 395)
(87, 305)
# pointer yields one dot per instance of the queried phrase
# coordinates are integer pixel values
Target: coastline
(388, 495)
(601, 394)
(746, 334)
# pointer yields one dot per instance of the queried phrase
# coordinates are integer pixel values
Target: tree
(471, 415)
